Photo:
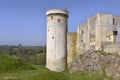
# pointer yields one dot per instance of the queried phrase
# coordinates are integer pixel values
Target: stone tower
(56, 39)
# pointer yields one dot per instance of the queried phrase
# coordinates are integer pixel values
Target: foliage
(38, 59)
(29, 54)
(100, 52)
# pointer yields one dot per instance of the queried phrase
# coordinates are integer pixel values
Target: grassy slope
(12, 64)
(41, 73)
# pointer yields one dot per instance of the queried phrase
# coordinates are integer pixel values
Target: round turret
(56, 39)
(57, 11)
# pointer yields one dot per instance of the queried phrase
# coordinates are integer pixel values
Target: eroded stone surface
(71, 47)
(97, 61)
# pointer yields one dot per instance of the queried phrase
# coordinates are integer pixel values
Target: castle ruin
(99, 32)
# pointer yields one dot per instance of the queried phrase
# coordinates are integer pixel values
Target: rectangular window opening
(113, 21)
(82, 32)
(115, 33)
(51, 17)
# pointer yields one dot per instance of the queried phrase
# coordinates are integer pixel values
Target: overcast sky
(24, 21)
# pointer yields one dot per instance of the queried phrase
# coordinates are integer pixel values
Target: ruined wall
(81, 38)
(112, 48)
(104, 29)
(86, 35)
(91, 31)
(71, 47)
(104, 19)
(117, 24)
(101, 31)
(78, 40)
(98, 29)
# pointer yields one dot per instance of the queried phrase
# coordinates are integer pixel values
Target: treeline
(29, 54)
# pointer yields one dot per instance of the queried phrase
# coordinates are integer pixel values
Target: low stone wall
(112, 48)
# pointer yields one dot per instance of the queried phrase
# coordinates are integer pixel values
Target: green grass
(40, 72)
(100, 52)
(12, 64)
(44, 74)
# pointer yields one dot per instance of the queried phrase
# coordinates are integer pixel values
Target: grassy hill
(12, 63)
(12, 68)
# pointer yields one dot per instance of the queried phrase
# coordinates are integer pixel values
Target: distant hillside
(11, 64)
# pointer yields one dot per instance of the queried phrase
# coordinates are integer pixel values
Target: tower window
(51, 17)
(52, 37)
(115, 33)
(58, 20)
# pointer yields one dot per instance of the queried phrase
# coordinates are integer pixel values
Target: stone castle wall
(63, 46)
(112, 48)
(98, 29)
(71, 47)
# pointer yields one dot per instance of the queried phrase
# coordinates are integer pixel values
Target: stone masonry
(99, 32)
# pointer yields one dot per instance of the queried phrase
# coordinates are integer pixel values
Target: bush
(38, 59)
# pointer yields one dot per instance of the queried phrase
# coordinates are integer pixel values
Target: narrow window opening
(51, 17)
(113, 21)
(52, 37)
(48, 30)
(58, 20)
(82, 32)
(115, 33)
